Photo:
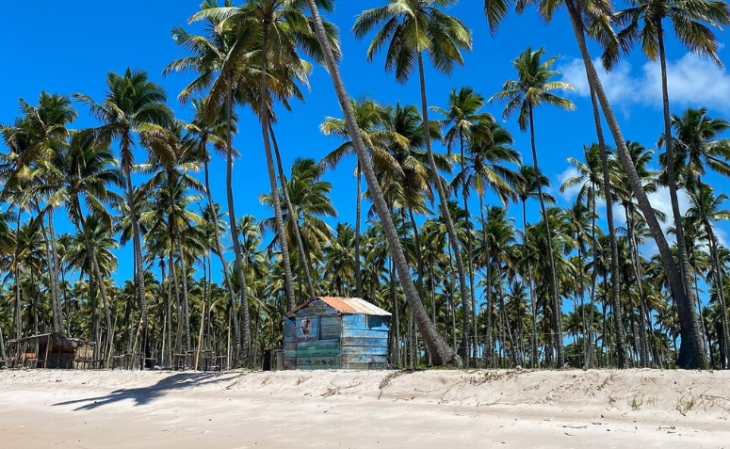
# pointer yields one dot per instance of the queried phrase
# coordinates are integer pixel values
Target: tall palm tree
(526, 188)
(533, 88)
(43, 127)
(410, 28)
(596, 176)
(705, 207)
(483, 170)
(440, 351)
(221, 59)
(643, 21)
(463, 120)
(584, 16)
(206, 129)
(84, 170)
(284, 30)
(133, 106)
(596, 14)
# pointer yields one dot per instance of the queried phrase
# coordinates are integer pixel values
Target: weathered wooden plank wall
(290, 344)
(364, 342)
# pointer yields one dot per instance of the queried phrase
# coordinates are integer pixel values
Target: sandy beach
(347, 409)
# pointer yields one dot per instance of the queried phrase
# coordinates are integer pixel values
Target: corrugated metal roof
(346, 305)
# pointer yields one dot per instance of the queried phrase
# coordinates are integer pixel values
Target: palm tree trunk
(56, 320)
(488, 348)
(167, 354)
(358, 219)
(636, 262)
(691, 356)
(236, 247)
(533, 298)
(55, 273)
(16, 281)
(218, 246)
(615, 276)
(444, 203)
(465, 195)
(139, 271)
(3, 355)
(264, 117)
(292, 216)
(557, 312)
(175, 239)
(442, 353)
(669, 160)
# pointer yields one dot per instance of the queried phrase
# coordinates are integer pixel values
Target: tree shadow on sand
(145, 395)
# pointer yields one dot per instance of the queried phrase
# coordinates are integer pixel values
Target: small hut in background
(52, 351)
(333, 333)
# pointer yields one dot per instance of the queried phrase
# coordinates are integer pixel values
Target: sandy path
(99, 410)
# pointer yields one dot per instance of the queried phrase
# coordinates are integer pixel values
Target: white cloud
(570, 193)
(692, 81)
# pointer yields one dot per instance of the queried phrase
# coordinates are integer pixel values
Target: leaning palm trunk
(690, 354)
(441, 352)
(236, 247)
(615, 277)
(444, 202)
(264, 117)
(292, 216)
(557, 312)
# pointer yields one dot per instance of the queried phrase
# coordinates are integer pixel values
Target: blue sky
(70, 46)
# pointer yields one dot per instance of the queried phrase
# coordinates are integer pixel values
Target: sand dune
(433, 409)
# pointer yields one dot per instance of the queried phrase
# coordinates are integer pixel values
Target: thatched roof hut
(52, 351)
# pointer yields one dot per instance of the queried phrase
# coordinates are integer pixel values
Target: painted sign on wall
(307, 329)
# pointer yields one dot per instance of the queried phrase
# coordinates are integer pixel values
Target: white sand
(297, 409)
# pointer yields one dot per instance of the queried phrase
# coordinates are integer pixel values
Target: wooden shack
(52, 351)
(334, 333)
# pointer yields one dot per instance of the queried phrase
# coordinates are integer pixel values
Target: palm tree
(85, 170)
(592, 176)
(526, 188)
(42, 128)
(284, 29)
(413, 27)
(440, 351)
(133, 106)
(706, 209)
(221, 60)
(210, 129)
(532, 89)
(464, 120)
(596, 15)
(643, 21)
(483, 169)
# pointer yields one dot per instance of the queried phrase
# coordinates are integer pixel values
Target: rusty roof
(345, 305)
